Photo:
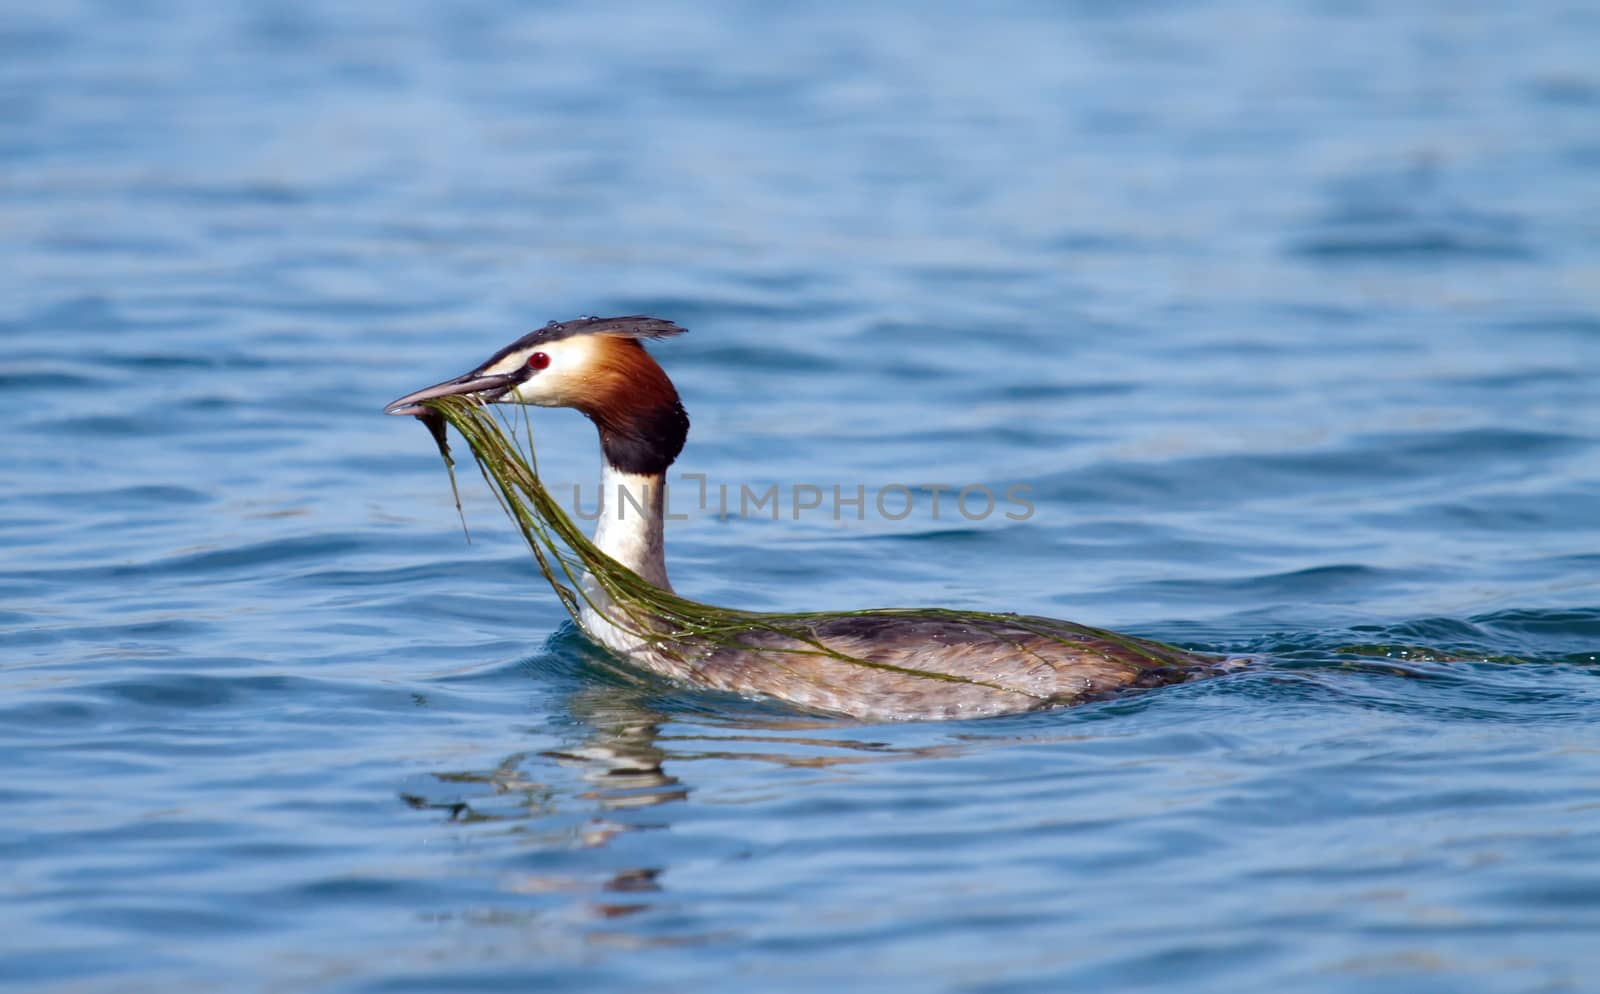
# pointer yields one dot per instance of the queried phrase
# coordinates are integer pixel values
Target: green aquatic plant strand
(670, 624)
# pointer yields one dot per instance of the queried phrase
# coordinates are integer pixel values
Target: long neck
(642, 428)
(633, 508)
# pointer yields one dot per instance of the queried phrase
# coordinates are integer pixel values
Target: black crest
(631, 326)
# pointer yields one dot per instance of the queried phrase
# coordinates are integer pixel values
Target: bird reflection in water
(621, 762)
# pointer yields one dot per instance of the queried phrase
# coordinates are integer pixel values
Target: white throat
(629, 530)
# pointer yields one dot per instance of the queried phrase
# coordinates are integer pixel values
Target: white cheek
(546, 388)
(554, 385)
(531, 390)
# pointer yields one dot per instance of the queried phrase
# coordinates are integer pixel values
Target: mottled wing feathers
(910, 665)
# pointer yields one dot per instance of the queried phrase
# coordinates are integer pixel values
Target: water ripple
(1285, 314)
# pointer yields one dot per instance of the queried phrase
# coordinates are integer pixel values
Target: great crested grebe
(924, 664)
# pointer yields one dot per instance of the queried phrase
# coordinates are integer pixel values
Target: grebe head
(599, 367)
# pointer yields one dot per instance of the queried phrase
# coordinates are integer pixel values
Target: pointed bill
(484, 387)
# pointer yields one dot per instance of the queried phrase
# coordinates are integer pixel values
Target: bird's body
(880, 665)
(925, 667)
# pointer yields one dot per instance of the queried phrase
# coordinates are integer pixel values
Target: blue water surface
(1287, 314)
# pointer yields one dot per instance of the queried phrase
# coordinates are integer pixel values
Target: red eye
(538, 360)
